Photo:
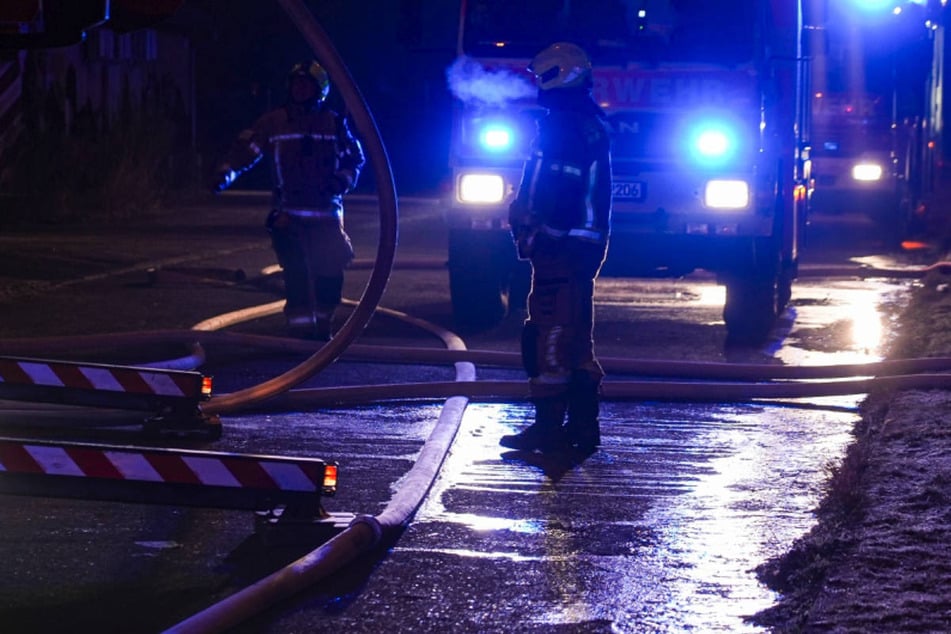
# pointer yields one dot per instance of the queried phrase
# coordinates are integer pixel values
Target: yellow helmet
(312, 70)
(561, 65)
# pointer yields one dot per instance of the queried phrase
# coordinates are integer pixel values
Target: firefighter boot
(300, 324)
(583, 430)
(546, 433)
(316, 326)
(323, 324)
(328, 291)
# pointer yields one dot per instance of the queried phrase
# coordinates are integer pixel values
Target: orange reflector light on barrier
(330, 479)
(206, 386)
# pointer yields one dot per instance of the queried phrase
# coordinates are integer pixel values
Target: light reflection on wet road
(659, 530)
(662, 528)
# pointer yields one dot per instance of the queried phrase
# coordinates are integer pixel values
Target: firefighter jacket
(565, 189)
(314, 159)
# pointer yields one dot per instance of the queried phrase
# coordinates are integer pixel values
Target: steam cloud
(469, 81)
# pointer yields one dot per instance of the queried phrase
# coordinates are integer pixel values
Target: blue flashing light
(713, 141)
(875, 6)
(496, 137)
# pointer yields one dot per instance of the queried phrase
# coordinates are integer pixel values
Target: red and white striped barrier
(110, 378)
(226, 470)
(29, 467)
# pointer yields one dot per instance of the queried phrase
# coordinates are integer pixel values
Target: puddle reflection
(662, 529)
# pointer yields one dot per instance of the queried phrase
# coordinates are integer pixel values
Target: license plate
(628, 190)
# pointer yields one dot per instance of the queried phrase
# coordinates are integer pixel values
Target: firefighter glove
(277, 220)
(224, 178)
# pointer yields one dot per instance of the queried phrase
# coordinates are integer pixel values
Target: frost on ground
(879, 559)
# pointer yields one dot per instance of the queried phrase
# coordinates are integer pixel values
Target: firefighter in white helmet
(314, 160)
(560, 220)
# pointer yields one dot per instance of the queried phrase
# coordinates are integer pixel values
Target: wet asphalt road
(658, 531)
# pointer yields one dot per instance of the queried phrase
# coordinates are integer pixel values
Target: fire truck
(866, 160)
(874, 132)
(708, 107)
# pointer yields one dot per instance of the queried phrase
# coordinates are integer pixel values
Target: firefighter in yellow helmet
(560, 220)
(314, 161)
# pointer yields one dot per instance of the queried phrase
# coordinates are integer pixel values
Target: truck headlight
(481, 188)
(726, 194)
(867, 172)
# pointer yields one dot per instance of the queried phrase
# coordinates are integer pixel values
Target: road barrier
(280, 486)
(171, 397)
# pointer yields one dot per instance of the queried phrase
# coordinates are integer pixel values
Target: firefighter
(314, 161)
(560, 220)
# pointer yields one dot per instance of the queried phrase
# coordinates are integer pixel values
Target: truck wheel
(479, 266)
(750, 309)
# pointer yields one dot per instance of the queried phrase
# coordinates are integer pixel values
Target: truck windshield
(849, 123)
(614, 31)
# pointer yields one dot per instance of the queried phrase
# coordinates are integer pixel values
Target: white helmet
(561, 65)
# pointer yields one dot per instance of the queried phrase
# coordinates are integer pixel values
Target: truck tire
(750, 308)
(480, 265)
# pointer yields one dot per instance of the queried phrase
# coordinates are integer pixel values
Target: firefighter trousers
(313, 254)
(557, 338)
